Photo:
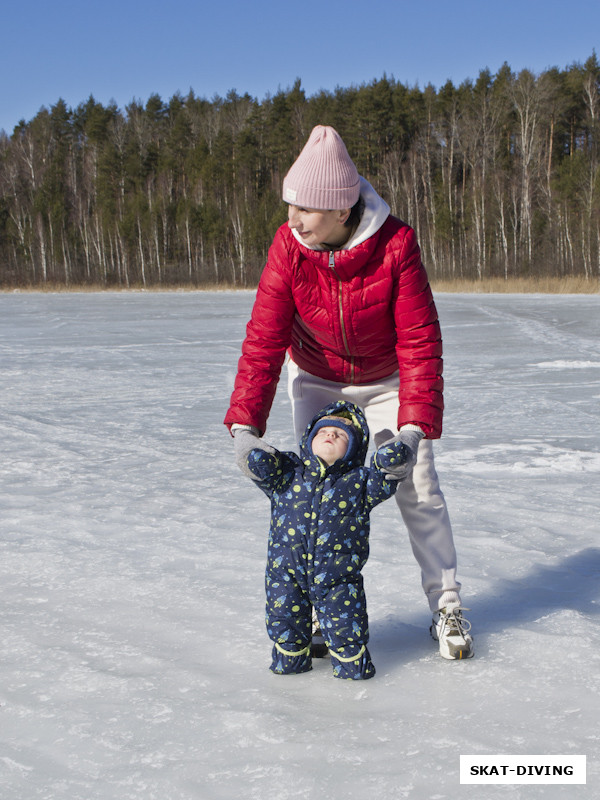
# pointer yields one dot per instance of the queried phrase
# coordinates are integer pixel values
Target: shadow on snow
(573, 584)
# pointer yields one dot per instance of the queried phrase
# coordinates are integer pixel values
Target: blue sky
(129, 50)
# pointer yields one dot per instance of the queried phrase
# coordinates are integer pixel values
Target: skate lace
(454, 623)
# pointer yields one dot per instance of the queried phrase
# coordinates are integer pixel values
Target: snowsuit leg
(288, 616)
(341, 608)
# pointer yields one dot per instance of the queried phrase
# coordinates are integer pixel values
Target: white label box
(523, 769)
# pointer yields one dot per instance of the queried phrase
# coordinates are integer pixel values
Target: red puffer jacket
(352, 316)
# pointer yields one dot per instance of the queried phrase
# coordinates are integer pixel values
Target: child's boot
(358, 667)
(290, 662)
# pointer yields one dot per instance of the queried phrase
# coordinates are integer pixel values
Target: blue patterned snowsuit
(318, 545)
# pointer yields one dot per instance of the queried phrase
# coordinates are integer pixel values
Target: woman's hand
(246, 439)
(397, 457)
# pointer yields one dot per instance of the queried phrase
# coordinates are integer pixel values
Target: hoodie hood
(340, 408)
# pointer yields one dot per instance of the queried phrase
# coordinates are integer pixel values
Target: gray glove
(410, 439)
(245, 440)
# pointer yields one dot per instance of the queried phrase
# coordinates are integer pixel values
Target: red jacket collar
(347, 262)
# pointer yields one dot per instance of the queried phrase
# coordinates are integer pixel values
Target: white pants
(419, 499)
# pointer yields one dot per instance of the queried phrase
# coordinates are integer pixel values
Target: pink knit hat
(323, 176)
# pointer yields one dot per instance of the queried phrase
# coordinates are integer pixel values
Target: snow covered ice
(133, 655)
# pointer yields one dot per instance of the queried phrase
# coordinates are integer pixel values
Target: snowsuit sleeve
(268, 335)
(378, 487)
(272, 471)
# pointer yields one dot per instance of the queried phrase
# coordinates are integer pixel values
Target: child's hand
(397, 457)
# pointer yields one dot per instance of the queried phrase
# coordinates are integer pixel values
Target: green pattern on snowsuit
(318, 546)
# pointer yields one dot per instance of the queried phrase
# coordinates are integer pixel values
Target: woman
(344, 293)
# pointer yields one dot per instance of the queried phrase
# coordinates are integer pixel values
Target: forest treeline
(499, 176)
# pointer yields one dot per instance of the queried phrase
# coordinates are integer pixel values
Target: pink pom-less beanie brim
(323, 176)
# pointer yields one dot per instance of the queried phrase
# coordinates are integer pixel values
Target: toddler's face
(330, 443)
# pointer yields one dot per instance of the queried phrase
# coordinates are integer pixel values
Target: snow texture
(133, 655)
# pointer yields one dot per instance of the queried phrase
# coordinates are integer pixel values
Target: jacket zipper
(341, 310)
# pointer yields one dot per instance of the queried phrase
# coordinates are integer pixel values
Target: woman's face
(317, 227)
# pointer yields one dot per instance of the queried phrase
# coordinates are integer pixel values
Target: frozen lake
(133, 655)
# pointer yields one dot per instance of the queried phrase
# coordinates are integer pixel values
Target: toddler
(319, 538)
